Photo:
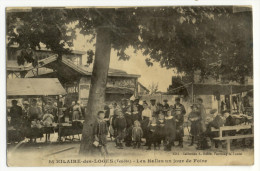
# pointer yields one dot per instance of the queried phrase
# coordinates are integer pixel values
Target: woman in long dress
(146, 119)
(76, 112)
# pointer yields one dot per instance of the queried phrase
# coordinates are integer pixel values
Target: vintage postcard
(129, 86)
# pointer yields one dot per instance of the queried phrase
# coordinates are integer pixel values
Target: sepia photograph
(129, 86)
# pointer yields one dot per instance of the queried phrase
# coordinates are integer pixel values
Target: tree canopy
(213, 40)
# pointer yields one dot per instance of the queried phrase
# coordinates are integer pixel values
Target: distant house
(16, 71)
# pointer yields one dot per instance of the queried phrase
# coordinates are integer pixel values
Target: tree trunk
(97, 89)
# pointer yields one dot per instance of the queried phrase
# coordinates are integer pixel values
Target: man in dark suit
(179, 112)
(16, 114)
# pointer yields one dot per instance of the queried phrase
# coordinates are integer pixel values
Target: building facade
(74, 77)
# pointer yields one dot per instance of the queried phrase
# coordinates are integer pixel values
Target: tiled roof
(44, 63)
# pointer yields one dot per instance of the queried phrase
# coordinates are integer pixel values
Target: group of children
(132, 123)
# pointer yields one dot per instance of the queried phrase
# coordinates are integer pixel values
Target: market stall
(233, 92)
(33, 88)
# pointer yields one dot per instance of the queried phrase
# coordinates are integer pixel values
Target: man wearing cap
(179, 112)
(202, 142)
(165, 107)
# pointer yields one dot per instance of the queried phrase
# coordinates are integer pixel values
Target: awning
(117, 90)
(34, 87)
(223, 89)
(211, 89)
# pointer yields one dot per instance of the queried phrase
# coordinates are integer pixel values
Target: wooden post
(239, 102)
(220, 132)
(59, 132)
(228, 146)
(192, 93)
(230, 100)
(219, 106)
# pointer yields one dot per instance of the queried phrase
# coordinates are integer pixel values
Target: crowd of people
(156, 124)
(32, 113)
(46, 114)
(131, 123)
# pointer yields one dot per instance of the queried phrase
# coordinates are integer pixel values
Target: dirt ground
(66, 154)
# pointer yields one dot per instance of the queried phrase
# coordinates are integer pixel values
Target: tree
(185, 38)
(153, 88)
(46, 26)
(213, 40)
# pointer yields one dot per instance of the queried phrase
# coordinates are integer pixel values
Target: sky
(135, 65)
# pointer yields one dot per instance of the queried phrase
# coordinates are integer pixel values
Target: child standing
(151, 138)
(170, 131)
(194, 118)
(137, 134)
(160, 129)
(120, 127)
(100, 132)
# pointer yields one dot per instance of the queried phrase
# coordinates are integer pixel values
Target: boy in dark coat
(101, 131)
(151, 137)
(120, 127)
(160, 129)
(129, 126)
(170, 131)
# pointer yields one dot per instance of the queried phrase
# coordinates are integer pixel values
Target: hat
(177, 99)
(212, 111)
(14, 101)
(194, 105)
(99, 112)
(200, 99)
(25, 102)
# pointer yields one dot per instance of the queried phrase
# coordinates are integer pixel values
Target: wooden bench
(233, 128)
